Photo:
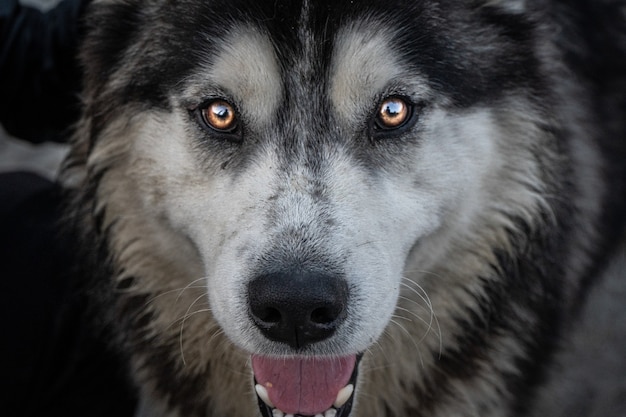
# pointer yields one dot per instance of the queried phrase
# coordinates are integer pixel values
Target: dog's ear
(106, 2)
(110, 26)
(511, 6)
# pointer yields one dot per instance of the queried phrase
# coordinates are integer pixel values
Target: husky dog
(333, 208)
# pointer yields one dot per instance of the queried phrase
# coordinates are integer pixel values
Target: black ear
(110, 27)
(510, 6)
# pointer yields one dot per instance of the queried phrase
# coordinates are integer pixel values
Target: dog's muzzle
(298, 310)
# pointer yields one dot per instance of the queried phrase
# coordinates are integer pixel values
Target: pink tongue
(306, 386)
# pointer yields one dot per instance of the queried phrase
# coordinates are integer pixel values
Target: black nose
(297, 308)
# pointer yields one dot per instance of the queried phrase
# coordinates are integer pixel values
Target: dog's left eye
(220, 116)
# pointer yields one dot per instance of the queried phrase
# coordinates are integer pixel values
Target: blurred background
(19, 155)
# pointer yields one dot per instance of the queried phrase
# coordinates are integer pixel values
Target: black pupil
(393, 108)
(221, 111)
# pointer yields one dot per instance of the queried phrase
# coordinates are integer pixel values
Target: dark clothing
(39, 71)
(51, 363)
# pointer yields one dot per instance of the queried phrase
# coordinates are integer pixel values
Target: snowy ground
(17, 155)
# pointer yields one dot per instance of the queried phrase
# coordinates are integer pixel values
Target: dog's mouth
(305, 386)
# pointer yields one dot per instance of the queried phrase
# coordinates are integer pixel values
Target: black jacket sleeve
(39, 71)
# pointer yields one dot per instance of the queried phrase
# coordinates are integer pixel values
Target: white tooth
(288, 415)
(331, 412)
(343, 395)
(262, 393)
(318, 415)
(277, 413)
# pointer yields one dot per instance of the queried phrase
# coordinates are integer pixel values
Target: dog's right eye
(219, 115)
(393, 113)
(393, 116)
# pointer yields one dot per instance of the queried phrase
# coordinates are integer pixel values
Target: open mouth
(305, 386)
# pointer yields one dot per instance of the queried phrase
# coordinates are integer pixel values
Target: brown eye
(220, 115)
(392, 113)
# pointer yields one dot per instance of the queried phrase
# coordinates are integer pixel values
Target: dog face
(310, 181)
(317, 168)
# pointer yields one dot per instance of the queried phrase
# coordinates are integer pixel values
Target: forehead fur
(363, 64)
(246, 67)
(263, 50)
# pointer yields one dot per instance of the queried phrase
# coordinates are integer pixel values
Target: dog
(347, 208)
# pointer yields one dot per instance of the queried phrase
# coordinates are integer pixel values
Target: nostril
(269, 315)
(324, 316)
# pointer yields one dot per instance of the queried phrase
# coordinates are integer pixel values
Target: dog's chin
(305, 386)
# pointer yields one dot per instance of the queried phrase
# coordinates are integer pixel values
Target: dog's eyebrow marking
(247, 67)
(362, 65)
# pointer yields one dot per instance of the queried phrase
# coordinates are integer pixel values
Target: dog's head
(313, 166)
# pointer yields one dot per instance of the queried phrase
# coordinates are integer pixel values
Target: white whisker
(184, 318)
